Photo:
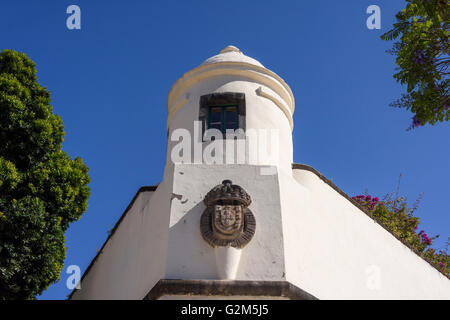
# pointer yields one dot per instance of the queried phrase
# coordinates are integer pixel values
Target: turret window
(223, 118)
(222, 111)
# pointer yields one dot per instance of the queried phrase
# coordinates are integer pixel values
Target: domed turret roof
(231, 54)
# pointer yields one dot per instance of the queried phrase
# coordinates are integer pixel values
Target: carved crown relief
(227, 221)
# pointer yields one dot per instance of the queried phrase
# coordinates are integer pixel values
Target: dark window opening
(223, 118)
(222, 111)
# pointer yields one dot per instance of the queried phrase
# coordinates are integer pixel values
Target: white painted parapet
(334, 250)
(132, 260)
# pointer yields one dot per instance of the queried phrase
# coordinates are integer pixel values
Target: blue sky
(109, 83)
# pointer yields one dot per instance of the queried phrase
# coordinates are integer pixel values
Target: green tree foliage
(42, 189)
(423, 59)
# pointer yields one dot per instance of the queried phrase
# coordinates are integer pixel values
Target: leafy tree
(42, 189)
(423, 59)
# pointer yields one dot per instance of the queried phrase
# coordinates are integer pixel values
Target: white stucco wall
(335, 251)
(147, 246)
(133, 259)
(306, 233)
(190, 257)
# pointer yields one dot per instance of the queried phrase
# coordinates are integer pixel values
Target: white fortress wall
(335, 251)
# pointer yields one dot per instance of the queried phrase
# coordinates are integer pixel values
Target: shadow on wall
(189, 256)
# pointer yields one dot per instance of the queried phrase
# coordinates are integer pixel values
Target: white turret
(264, 102)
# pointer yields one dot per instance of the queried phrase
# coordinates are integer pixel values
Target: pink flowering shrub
(394, 214)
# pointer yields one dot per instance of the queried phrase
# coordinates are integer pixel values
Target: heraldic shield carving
(227, 221)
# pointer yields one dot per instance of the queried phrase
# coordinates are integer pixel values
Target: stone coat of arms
(227, 221)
